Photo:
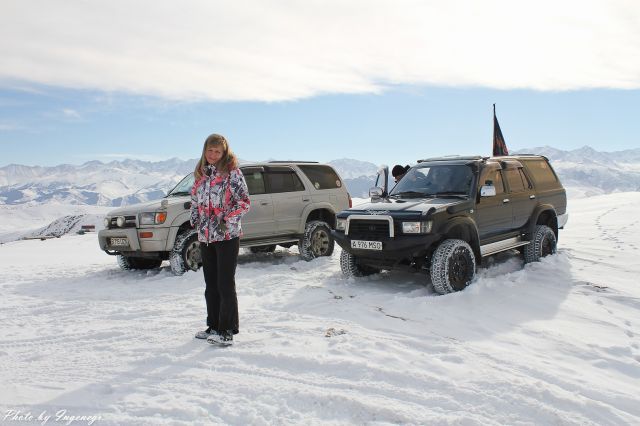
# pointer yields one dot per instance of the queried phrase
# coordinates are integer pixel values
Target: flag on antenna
(499, 145)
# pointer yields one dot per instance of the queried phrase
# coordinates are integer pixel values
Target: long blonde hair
(228, 161)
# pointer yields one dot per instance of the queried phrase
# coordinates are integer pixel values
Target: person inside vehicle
(398, 172)
(439, 179)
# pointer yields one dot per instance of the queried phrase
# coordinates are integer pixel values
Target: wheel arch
(174, 232)
(322, 212)
(182, 218)
(462, 228)
(543, 215)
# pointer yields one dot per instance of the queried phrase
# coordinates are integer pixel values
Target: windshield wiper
(179, 193)
(409, 194)
(451, 194)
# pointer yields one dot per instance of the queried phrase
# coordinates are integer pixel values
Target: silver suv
(291, 203)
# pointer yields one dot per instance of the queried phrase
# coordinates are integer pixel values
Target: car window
(495, 177)
(255, 181)
(183, 187)
(436, 179)
(515, 180)
(541, 172)
(525, 179)
(283, 181)
(321, 177)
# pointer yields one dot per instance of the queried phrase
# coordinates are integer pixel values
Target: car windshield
(434, 180)
(182, 188)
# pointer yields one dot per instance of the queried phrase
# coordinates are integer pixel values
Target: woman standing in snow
(219, 199)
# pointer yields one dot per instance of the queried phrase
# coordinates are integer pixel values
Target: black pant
(219, 260)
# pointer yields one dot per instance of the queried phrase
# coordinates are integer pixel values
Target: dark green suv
(446, 214)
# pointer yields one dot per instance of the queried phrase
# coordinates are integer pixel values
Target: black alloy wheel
(461, 269)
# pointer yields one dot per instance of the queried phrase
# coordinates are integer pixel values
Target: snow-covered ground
(556, 342)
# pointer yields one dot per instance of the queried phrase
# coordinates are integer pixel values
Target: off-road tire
(130, 263)
(542, 244)
(263, 249)
(351, 268)
(453, 266)
(185, 255)
(316, 241)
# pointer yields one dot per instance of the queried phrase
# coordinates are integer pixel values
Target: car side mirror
(488, 191)
(376, 193)
(383, 178)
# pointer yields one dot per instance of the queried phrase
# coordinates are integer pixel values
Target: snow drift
(555, 342)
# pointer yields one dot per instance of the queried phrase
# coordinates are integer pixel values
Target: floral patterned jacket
(217, 204)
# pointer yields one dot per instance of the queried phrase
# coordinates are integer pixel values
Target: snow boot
(205, 333)
(224, 338)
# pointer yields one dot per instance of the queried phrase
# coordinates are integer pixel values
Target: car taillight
(350, 202)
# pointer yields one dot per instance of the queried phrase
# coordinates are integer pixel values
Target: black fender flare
(535, 216)
(470, 225)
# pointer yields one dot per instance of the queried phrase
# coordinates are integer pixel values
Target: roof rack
(291, 161)
(452, 158)
(516, 156)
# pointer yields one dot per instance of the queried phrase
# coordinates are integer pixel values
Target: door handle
(264, 203)
(531, 197)
(506, 200)
(306, 199)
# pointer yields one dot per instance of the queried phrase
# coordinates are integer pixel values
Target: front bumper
(157, 243)
(394, 249)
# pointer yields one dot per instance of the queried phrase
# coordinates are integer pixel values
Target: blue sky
(57, 126)
(376, 81)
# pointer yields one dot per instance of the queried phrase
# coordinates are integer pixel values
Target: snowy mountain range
(587, 172)
(584, 171)
(115, 183)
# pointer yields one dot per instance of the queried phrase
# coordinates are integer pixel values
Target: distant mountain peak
(129, 181)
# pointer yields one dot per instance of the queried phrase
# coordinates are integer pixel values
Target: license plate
(119, 242)
(366, 245)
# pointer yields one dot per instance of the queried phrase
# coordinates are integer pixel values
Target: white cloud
(71, 113)
(283, 49)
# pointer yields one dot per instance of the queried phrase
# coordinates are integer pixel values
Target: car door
(258, 222)
(494, 213)
(290, 198)
(521, 196)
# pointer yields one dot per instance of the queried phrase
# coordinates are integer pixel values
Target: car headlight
(341, 224)
(416, 227)
(107, 222)
(152, 218)
(120, 221)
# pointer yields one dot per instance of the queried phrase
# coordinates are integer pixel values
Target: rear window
(321, 177)
(541, 172)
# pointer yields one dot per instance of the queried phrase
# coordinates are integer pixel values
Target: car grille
(370, 229)
(129, 222)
